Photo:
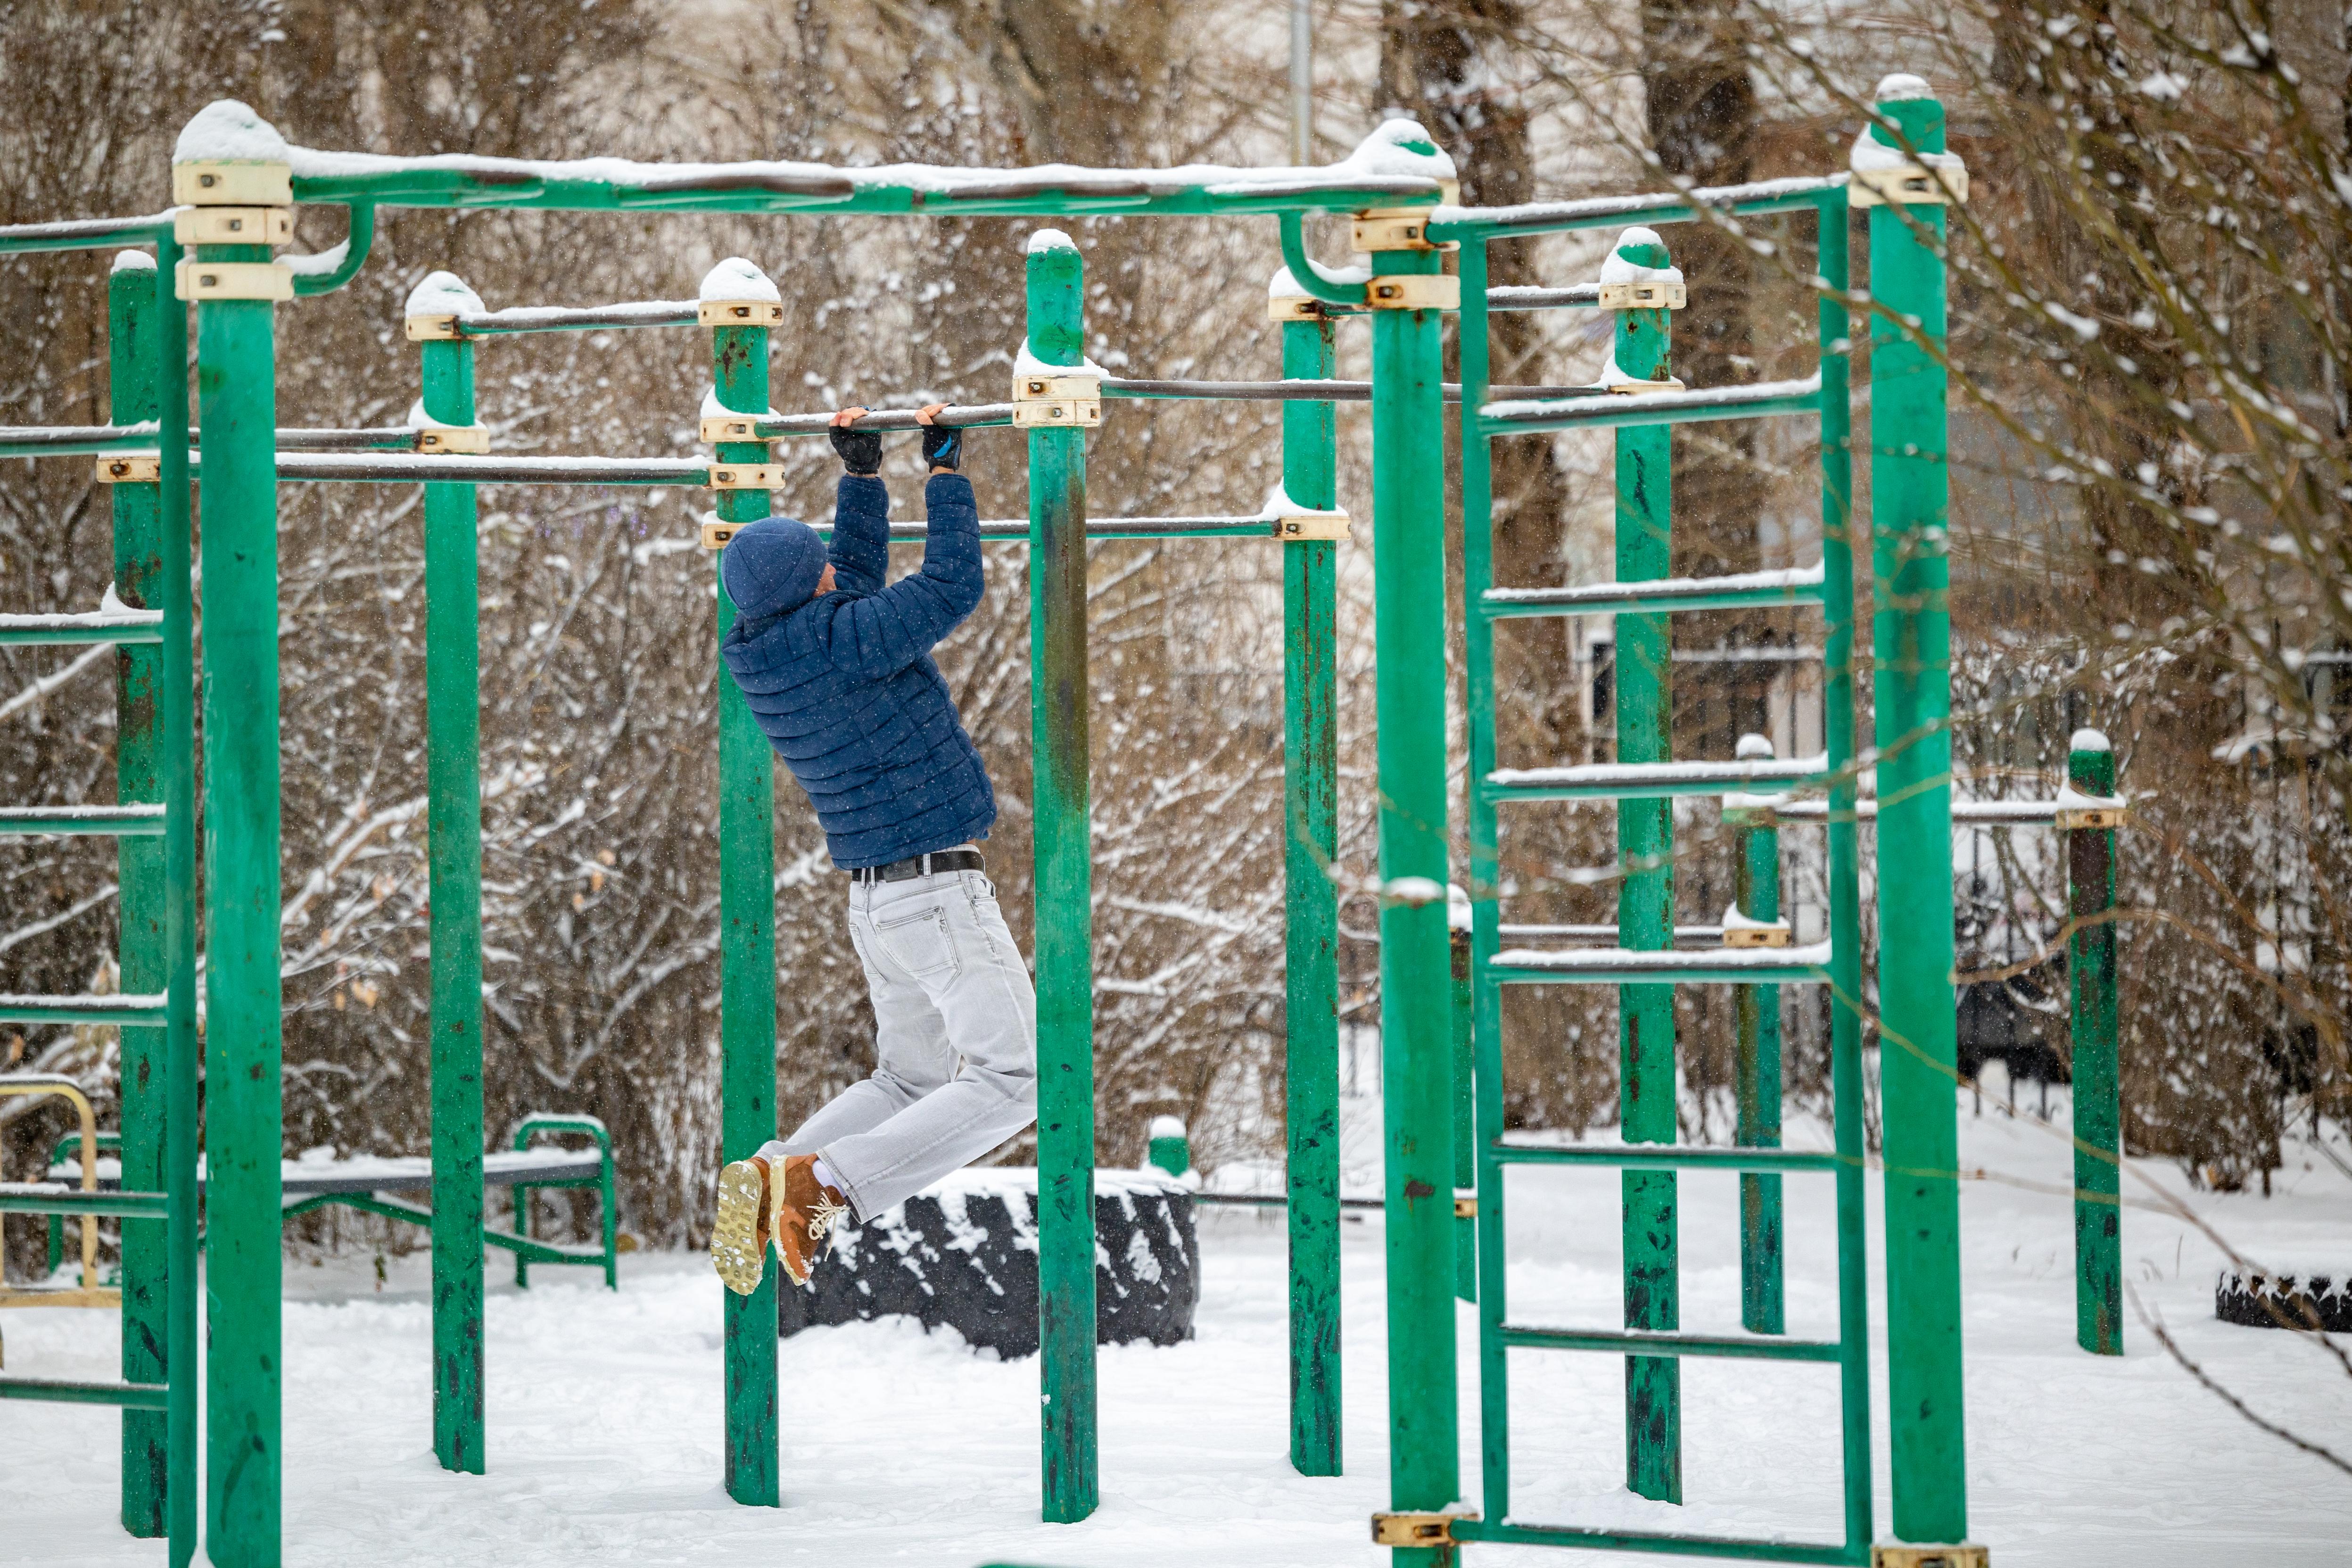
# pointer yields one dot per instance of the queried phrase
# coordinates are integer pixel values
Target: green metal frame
(156, 877)
(550, 1124)
(1651, 1343)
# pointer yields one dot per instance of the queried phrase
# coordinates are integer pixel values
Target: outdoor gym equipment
(231, 168)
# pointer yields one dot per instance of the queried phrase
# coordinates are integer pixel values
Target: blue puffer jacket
(845, 687)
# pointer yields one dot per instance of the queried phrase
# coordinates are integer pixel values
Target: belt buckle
(902, 870)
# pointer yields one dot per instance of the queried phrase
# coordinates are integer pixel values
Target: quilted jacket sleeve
(861, 533)
(876, 635)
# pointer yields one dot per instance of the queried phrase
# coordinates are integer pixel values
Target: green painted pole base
(2091, 977)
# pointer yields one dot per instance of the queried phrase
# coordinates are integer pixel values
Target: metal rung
(58, 1391)
(1653, 781)
(75, 441)
(1807, 965)
(1514, 1533)
(22, 1007)
(1692, 406)
(50, 1197)
(93, 626)
(122, 821)
(1665, 1157)
(1669, 1342)
(1741, 590)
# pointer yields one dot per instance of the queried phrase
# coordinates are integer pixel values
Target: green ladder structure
(156, 820)
(1912, 705)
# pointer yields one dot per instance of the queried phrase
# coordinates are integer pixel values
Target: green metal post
(2090, 974)
(1416, 982)
(1485, 998)
(178, 746)
(1465, 1169)
(237, 389)
(1912, 689)
(1065, 880)
(1645, 911)
(1169, 1150)
(1833, 326)
(1310, 761)
(1760, 1294)
(133, 335)
(746, 956)
(453, 684)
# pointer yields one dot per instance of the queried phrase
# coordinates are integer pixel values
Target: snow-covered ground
(906, 1449)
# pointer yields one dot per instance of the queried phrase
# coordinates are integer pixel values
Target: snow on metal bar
(1789, 585)
(382, 439)
(1634, 781)
(124, 821)
(577, 319)
(1620, 965)
(1600, 409)
(32, 1008)
(85, 233)
(1530, 297)
(463, 179)
(1015, 529)
(76, 440)
(1601, 212)
(1662, 1157)
(1603, 932)
(88, 627)
(961, 416)
(54, 1197)
(395, 469)
(1969, 813)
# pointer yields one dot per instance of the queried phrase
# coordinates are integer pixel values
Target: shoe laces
(826, 1215)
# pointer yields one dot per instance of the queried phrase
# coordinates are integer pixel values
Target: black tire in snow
(2310, 1299)
(964, 1253)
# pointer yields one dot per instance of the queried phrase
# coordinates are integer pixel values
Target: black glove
(861, 450)
(942, 446)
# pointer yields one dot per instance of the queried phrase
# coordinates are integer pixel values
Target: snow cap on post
(1640, 256)
(1168, 1127)
(133, 261)
(229, 156)
(1401, 148)
(1047, 239)
(736, 278)
(1906, 102)
(227, 132)
(1752, 746)
(442, 294)
(2089, 741)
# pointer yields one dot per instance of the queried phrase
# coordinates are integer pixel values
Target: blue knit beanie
(771, 567)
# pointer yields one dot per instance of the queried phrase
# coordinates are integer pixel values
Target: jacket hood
(771, 567)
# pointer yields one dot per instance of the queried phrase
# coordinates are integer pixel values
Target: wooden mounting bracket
(1908, 184)
(1465, 1205)
(430, 329)
(232, 185)
(1415, 1529)
(1757, 936)
(718, 427)
(1292, 308)
(470, 439)
(201, 280)
(1907, 1554)
(2080, 816)
(1051, 400)
(1628, 388)
(130, 469)
(739, 312)
(1657, 295)
(1415, 291)
(1406, 230)
(746, 476)
(715, 533)
(234, 225)
(1304, 527)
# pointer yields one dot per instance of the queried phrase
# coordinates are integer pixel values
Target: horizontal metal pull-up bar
(1796, 193)
(1601, 410)
(85, 233)
(85, 440)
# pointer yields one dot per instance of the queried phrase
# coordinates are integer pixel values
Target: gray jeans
(955, 1034)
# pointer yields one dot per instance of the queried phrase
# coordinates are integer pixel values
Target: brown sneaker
(738, 1241)
(802, 1212)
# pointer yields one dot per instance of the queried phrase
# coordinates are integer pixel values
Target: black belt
(919, 866)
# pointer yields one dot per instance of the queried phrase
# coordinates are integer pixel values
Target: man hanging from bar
(838, 670)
